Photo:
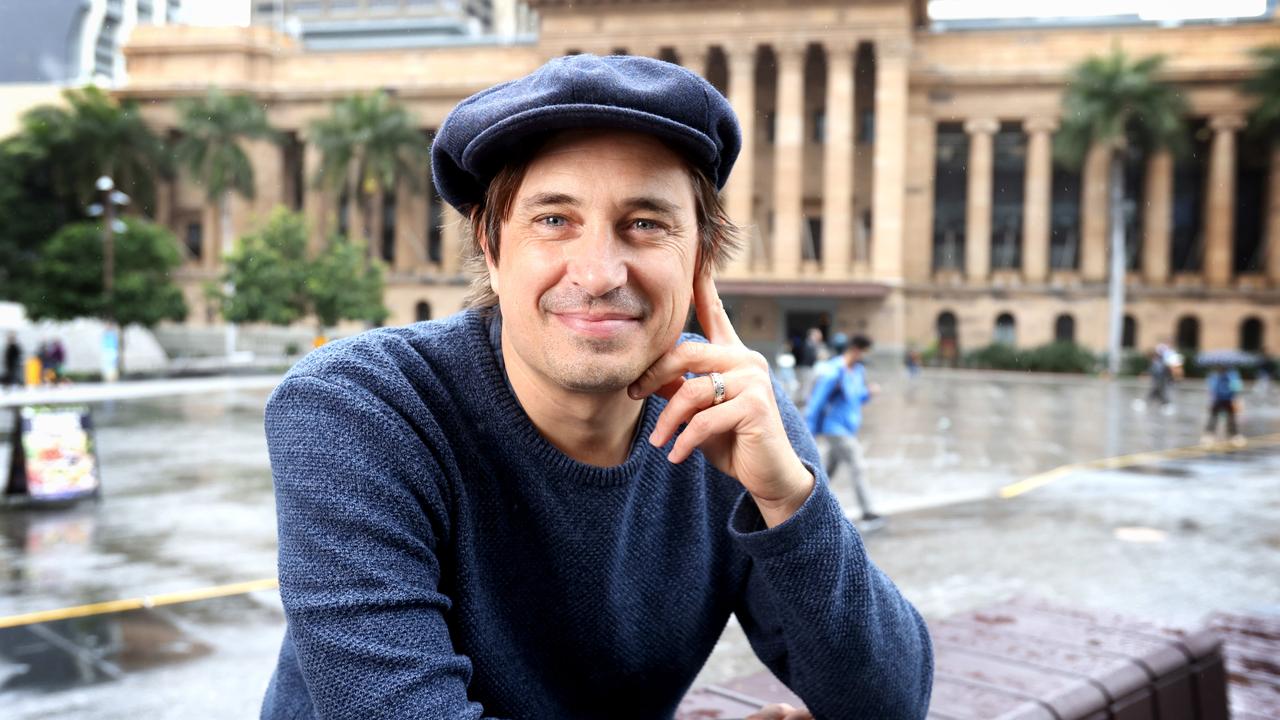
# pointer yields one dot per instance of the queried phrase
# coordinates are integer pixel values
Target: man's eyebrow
(549, 199)
(652, 204)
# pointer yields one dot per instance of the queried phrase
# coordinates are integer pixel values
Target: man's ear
(482, 240)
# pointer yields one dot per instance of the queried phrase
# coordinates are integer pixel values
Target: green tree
(1119, 104)
(92, 135)
(268, 269)
(344, 284)
(276, 283)
(1264, 85)
(366, 143)
(49, 168)
(67, 282)
(212, 129)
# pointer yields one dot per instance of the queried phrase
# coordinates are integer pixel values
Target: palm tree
(212, 128)
(1265, 119)
(1119, 104)
(366, 143)
(90, 136)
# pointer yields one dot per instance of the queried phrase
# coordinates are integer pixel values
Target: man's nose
(597, 261)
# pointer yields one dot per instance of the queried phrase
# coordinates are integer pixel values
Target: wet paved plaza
(187, 504)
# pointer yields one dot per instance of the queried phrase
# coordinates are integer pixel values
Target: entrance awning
(803, 288)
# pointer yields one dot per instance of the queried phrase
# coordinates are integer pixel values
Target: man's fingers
(711, 313)
(778, 711)
(693, 357)
(704, 425)
(692, 396)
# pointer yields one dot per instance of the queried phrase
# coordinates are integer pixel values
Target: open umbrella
(1227, 358)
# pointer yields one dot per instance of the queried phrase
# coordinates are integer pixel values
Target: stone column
(211, 236)
(1273, 219)
(695, 58)
(1094, 218)
(788, 162)
(1037, 199)
(315, 201)
(411, 223)
(1157, 219)
(451, 236)
(837, 161)
(740, 191)
(1219, 223)
(889, 162)
(977, 211)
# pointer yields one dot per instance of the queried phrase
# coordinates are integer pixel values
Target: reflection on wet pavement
(187, 503)
(63, 654)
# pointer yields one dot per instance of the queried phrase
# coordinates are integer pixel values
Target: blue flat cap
(583, 91)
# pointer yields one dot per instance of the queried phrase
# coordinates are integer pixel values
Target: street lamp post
(111, 197)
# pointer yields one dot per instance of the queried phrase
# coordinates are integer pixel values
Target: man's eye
(643, 224)
(553, 221)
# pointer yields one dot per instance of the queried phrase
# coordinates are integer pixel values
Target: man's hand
(742, 436)
(780, 711)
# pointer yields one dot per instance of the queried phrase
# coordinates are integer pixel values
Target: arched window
(1006, 330)
(1129, 335)
(1064, 328)
(1188, 333)
(1251, 335)
(422, 311)
(947, 325)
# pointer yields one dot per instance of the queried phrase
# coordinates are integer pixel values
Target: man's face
(597, 259)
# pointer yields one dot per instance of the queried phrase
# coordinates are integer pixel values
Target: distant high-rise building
(371, 24)
(72, 41)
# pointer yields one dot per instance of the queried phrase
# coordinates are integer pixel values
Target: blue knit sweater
(440, 559)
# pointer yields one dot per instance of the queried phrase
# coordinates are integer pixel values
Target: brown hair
(718, 237)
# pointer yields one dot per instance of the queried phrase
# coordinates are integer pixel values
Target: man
(1224, 386)
(12, 374)
(834, 415)
(534, 509)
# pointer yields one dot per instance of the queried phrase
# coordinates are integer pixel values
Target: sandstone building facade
(896, 180)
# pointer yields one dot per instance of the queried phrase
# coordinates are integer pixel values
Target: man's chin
(594, 374)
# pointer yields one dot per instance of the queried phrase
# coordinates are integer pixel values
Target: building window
(1129, 334)
(1064, 328)
(1064, 219)
(767, 126)
(947, 325)
(388, 239)
(820, 126)
(1251, 335)
(1189, 170)
(193, 240)
(812, 249)
(1007, 189)
(1006, 330)
(950, 186)
(1252, 158)
(1135, 173)
(867, 127)
(422, 311)
(1188, 333)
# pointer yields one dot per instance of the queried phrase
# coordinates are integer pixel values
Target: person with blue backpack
(1224, 385)
(834, 414)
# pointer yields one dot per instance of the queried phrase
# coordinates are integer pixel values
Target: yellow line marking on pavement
(147, 601)
(1123, 461)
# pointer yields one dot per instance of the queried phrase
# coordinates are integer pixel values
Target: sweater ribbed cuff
(820, 515)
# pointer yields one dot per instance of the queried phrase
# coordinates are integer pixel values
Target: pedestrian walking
(834, 415)
(810, 351)
(1224, 386)
(12, 374)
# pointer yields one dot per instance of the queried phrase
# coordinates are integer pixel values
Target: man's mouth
(598, 325)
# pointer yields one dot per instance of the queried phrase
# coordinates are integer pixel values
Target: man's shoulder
(391, 356)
